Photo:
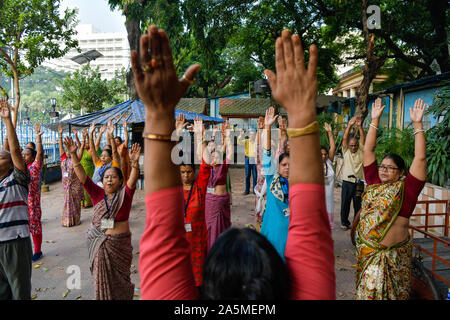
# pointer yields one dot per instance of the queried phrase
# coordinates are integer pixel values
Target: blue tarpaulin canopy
(132, 111)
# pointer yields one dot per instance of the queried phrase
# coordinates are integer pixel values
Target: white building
(112, 45)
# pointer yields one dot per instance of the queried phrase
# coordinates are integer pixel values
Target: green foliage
(438, 139)
(400, 142)
(85, 89)
(322, 118)
(33, 28)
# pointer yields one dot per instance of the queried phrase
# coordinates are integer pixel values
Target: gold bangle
(373, 126)
(297, 132)
(159, 137)
(418, 130)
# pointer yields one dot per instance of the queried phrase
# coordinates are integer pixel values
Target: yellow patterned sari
(382, 273)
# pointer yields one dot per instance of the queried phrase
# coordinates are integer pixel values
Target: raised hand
(155, 76)
(110, 128)
(416, 114)
(60, 129)
(37, 128)
(327, 127)
(75, 131)
(180, 123)
(294, 86)
(260, 123)
(5, 109)
(135, 152)
(358, 121)
(270, 118)
(84, 133)
(282, 123)
(102, 129)
(377, 109)
(352, 121)
(71, 146)
(92, 128)
(125, 125)
(198, 124)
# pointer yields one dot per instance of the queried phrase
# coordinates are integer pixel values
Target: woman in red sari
(194, 190)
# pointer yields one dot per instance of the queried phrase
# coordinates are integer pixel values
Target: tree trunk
(134, 36)
(371, 66)
(16, 98)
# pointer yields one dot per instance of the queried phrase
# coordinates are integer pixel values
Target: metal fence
(25, 133)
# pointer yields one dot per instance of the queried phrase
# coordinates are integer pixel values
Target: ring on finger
(155, 63)
(184, 79)
(146, 67)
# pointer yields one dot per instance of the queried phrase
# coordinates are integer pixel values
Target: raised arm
(135, 152)
(39, 147)
(362, 139)
(164, 263)
(99, 137)
(419, 165)
(75, 132)
(282, 136)
(14, 148)
(125, 131)
(295, 88)
(371, 140)
(199, 131)
(81, 149)
(346, 133)
(332, 143)
(72, 149)
(269, 120)
(92, 147)
(109, 134)
(227, 143)
(60, 141)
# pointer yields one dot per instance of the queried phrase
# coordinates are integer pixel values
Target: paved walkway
(66, 247)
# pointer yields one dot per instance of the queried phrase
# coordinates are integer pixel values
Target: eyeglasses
(388, 168)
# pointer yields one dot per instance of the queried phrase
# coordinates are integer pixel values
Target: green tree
(412, 32)
(30, 32)
(86, 90)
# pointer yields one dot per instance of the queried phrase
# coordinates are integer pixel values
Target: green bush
(396, 141)
(438, 139)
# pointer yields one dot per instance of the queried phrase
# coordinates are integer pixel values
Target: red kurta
(195, 216)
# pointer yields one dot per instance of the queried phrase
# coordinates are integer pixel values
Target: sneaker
(36, 256)
(344, 228)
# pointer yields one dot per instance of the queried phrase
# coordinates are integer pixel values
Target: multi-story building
(112, 45)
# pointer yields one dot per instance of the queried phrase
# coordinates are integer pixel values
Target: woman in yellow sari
(383, 245)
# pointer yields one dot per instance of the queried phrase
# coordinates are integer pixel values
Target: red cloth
(219, 174)
(37, 240)
(165, 266)
(96, 193)
(413, 187)
(195, 216)
(63, 157)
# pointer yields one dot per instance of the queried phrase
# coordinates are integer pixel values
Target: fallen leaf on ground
(37, 289)
(137, 252)
(65, 294)
(60, 268)
(44, 269)
(342, 269)
(346, 250)
(37, 266)
(78, 298)
(34, 296)
(136, 294)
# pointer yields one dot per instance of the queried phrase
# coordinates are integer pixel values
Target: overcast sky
(97, 13)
